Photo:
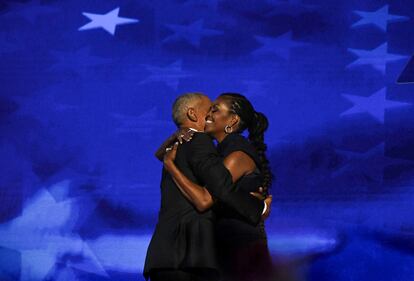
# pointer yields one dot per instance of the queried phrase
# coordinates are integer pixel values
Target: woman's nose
(208, 114)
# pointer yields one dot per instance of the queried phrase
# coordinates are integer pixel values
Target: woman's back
(242, 248)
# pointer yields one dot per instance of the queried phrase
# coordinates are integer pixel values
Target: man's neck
(192, 127)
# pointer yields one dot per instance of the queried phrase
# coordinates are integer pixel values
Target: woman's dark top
(243, 251)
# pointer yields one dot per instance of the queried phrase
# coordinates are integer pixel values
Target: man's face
(202, 109)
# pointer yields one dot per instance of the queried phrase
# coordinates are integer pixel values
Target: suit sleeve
(208, 166)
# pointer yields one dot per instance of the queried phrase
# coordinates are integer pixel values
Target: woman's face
(218, 117)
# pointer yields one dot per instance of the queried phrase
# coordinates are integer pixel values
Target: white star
(380, 18)
(369, 164)
(170, 74)
(192, 33)
(108, 21)
(145, 124)
(374, 104)
(47, 216)
(280, 45)
(377, 57)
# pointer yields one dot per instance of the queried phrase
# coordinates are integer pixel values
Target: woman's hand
(184, 134)
(170, 154)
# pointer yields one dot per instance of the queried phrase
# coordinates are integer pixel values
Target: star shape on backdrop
(78, 61)
(377, 57)
(44, 106)
(49, 222)
(31, 10)
(191, 33)
(62, 273)
(169, 75)
(379, 18)
(370, 164)
(108, 21)
(280, 45)
(144, 124)
(375, 104)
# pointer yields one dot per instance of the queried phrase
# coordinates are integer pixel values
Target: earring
(228, 129)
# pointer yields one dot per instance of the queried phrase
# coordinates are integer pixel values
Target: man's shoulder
(199, 144)
(198, 138)
(201, 136)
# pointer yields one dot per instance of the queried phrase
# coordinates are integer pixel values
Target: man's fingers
(268, 200)
(254, 194)
(257, 195)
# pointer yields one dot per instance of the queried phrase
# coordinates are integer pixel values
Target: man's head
(190, 110)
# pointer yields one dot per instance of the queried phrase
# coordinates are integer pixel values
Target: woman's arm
(238, 163)
(197, 194)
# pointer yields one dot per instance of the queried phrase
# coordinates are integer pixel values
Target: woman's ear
(235, 120)
(191, 114)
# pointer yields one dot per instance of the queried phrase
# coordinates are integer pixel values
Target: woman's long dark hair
(256, 123)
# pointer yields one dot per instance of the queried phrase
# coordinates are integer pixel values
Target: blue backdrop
(85, 100)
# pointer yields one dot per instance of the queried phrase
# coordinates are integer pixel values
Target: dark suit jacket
(183, 237)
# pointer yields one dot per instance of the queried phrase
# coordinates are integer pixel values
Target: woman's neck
(220, 136)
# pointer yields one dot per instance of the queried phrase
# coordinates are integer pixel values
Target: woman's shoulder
(239, 143)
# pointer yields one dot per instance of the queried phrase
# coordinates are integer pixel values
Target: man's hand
(259, 194)
(266, 199)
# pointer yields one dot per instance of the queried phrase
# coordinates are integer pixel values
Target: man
(183, 247)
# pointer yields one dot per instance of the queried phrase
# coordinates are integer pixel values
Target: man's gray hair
(181, 105)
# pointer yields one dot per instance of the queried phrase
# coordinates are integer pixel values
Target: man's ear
(191, 114)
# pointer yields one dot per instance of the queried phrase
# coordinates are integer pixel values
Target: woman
(242, 248)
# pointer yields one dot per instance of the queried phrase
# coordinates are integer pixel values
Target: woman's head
(232, 112)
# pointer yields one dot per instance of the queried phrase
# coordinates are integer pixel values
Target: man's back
(183, 237)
